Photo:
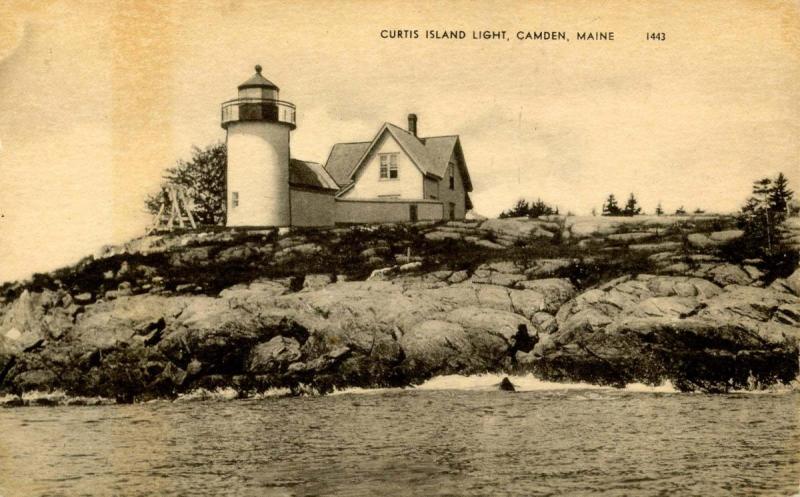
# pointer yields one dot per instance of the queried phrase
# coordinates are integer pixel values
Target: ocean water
(451, 437)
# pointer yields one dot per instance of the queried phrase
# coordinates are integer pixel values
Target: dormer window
(452, 174)
(388, 166)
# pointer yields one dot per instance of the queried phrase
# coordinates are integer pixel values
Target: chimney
(412, 124)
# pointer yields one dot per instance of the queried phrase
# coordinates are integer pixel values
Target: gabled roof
(412, 146)
(430, 155)
(310, 175)
(342, 159)
(440, 149)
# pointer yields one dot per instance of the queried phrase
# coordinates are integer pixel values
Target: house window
(388, 166)
(235, 199)
(452, 173)
(412, 213)
(452, 211)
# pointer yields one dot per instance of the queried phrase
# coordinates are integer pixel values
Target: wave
(54, 398)
(477, 383)
(529, 383)
(228, 393)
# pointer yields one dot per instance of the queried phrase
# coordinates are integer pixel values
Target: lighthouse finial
(258, 68)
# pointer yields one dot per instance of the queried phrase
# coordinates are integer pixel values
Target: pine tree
(779, 196)
(610, 207)
(520, 209)
(631, 207)
(659, 210)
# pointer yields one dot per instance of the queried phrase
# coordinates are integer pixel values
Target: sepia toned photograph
(372, 248)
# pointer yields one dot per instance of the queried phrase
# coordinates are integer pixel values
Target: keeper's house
(397, 176)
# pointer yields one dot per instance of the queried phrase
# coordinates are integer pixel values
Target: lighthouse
(258, 124)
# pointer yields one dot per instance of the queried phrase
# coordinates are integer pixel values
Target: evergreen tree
(520, 209)
(779, 196)
(539, 208)
(764, 212)
(523, 209)
(610, 207)
(631, 207)
(659, 210)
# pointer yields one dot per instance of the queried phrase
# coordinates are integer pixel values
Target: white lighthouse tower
(258, 126)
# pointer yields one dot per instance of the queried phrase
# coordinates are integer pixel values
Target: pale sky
(98, 98)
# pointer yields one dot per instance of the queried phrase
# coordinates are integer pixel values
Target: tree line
(534, 209)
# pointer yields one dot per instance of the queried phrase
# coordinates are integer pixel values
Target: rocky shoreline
(611, 304)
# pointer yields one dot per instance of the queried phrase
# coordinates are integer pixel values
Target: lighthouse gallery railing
(258, 109)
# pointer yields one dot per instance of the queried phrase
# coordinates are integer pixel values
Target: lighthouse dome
(258, 81)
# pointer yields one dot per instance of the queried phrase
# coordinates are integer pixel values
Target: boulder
(437, 347)
(729, 274)
(108, 324)
(194, 367)
(501, 324)
(217, 334)
(555, 291)
(520, 227)
(195, 256)
(701, 241)
(173, 374)
(506, 385)
(34, 316)
(688, 330)
(236, 253)
(83, 298)
(726, 236)
(316, 281)
(662, 307)
(41, 380)
(631, 237)
(259, 287)
(410, 266)
(655, 247)
(745, 304)
(382, 274)
(528, 302)
(543, 268)
(489, 244)
(494, 297)
(439, 235)
(273, 356)
(307, 249)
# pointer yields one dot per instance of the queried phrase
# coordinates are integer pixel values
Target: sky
(98, 98)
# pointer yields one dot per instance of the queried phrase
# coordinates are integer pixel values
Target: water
(427, 442)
